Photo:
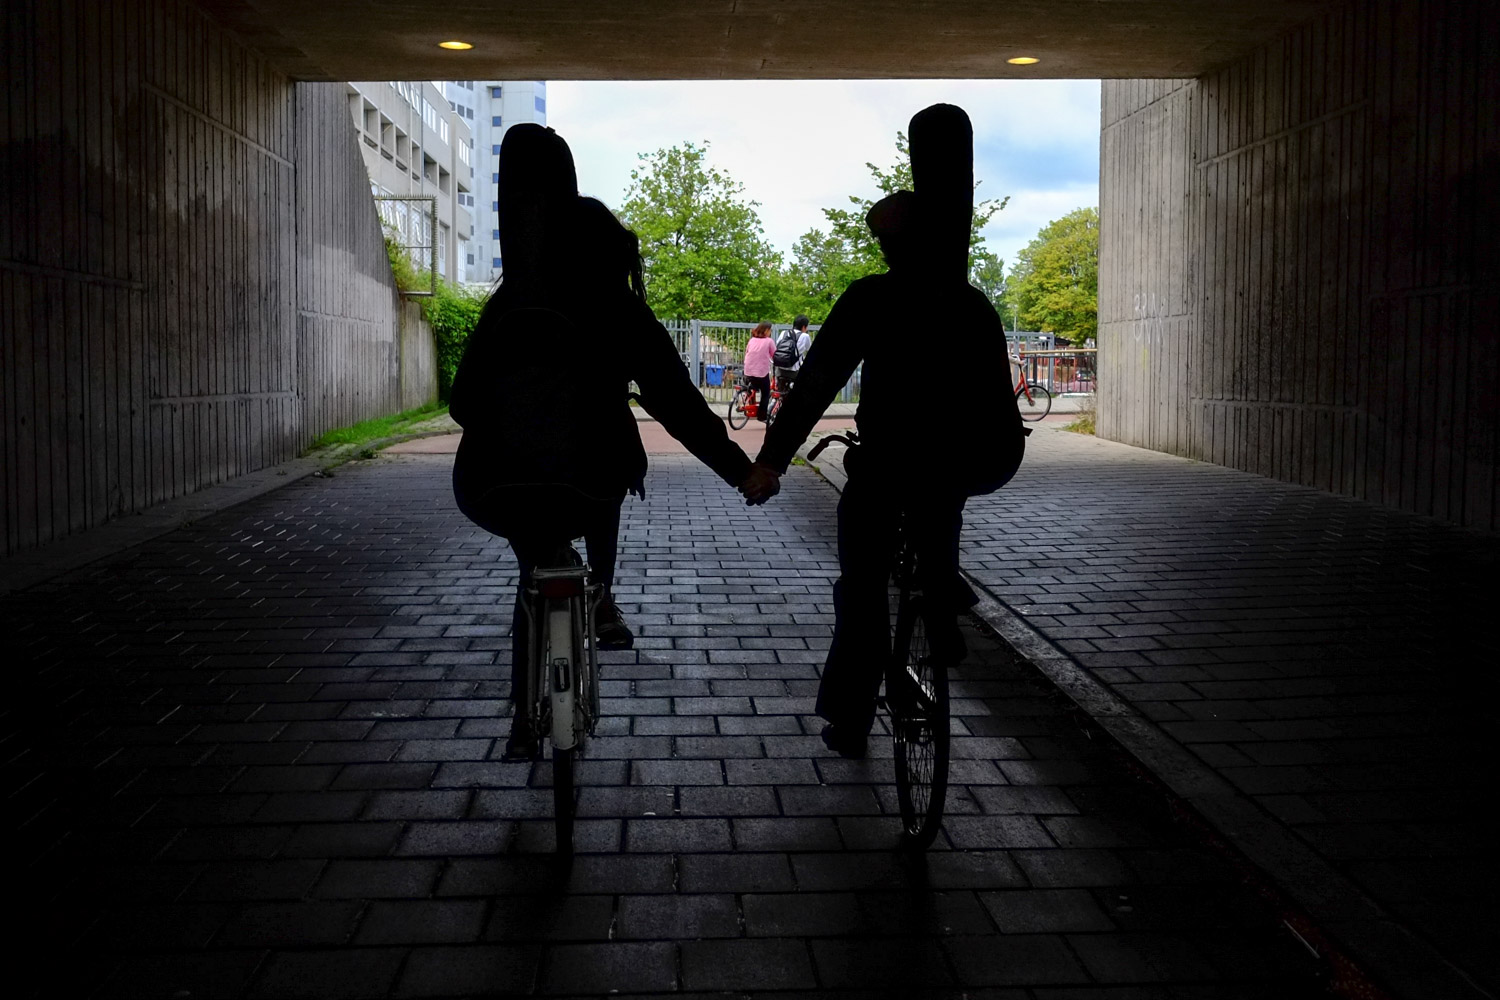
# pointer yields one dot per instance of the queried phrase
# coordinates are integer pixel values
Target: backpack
(786, 355)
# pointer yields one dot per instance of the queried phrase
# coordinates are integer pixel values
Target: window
(463, 153)
(494, 178)
(495, 235)
(495, 149)
(495, 121)
(494, 91)
(541, 104)
(443, 129)
(471, 260)
(494, 206)
(496, 261)
(468, 112)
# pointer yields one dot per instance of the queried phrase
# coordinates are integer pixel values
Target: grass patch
(1083, 425)
(379, 427)
(797, 460)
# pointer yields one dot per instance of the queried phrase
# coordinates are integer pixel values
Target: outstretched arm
(835, 353)
(668, 394)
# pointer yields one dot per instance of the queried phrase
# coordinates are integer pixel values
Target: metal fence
(413, 220)
(714, 353)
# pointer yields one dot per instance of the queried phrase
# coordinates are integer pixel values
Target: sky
(801, 146)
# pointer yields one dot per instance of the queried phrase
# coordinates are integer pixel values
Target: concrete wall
(1299, 260)
(192, 279)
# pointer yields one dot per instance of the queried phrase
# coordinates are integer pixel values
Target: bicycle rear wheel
(917, 696)
(1038, 406)
(737, 416)
(562, 798)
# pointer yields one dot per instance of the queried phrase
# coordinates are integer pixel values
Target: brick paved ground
(256, 757)
(1332, 659)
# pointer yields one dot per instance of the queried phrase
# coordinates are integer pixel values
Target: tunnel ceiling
(755, 39)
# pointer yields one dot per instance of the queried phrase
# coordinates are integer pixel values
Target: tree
(704, 252)
(826, 263)
(987, 273)
(1055, 283)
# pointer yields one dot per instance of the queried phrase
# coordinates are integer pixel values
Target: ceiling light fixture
(1023, 60)
(455, 46)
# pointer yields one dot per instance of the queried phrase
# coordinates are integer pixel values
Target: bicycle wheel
(562, 798)
(917, 696)
(775, 410)
(737, 416)
(1038, 406)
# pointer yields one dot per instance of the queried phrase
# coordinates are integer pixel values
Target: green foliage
(1055, 283)
(452, 313)
(451, 310)
(379, 427)
(987, 273)
(704, 252)
(826, 263)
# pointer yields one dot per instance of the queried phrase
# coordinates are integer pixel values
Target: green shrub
(451, 310)
(452, 313)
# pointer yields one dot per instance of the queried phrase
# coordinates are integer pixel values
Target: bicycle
(559, 606)
(916, 693)
(1033, 398)
(744, 405)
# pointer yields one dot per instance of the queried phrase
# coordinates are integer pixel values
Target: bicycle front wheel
(1039, 403)
(917, 696)
(562, 798)
(737, 416)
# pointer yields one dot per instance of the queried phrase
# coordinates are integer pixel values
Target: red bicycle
(745, 405)
(1034, 399)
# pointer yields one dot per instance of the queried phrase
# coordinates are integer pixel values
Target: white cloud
(801, 146)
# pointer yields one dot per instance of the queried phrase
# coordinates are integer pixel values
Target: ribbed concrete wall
(192, 279)
(1299, 260)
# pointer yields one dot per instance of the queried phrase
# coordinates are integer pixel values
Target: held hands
(762, 484)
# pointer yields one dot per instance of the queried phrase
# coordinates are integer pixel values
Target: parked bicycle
(564, 671)
(916, 692)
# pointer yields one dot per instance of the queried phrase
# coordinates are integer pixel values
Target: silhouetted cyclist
(550, 447)
(928, 438)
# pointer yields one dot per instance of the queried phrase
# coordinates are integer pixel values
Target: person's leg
(861, 632)
(523, 742)
(762, 397)
(603, 541)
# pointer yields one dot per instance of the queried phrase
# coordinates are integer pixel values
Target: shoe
(845, 743)
(610, 630)
(522, 744)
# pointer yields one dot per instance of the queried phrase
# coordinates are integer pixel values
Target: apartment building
(415, 143)
(489, 107)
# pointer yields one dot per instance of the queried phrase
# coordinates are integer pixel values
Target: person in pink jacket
(758, 368)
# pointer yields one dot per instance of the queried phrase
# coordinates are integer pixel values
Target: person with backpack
(550, 447)
(925, 444)
(791, 348)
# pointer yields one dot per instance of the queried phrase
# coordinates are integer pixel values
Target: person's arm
(830, 362)
(668, 394)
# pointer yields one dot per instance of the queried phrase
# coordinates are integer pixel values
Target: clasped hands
(762, 484)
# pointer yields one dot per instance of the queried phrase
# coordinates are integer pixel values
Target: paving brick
(761, 964)
(678, 917)
(552, 917)
(476, 970)
(1018, 960)
(628, 967)
(677, 834)
(378, 879)
(349, 973)
(734, 873)
(426, 921)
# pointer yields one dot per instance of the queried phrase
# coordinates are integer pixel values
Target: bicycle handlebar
(850, 440)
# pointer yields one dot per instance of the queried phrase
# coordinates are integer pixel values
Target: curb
(1360, 942)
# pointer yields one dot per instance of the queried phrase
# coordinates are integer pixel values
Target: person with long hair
(758, 352)
(550, 447)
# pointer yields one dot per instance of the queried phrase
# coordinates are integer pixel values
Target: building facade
(416, 144)
(488, 108)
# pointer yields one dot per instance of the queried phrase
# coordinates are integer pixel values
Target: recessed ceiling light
(456, 46)
(1023, 60)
